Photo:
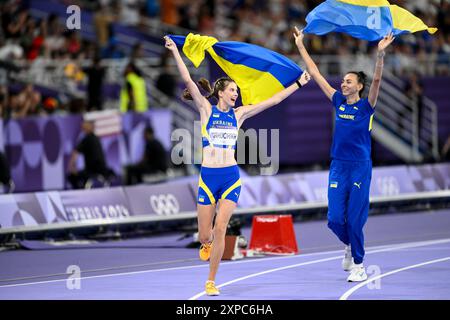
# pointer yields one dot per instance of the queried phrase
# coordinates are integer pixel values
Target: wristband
(298, 83)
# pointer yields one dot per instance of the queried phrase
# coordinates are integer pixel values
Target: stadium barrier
(176, 200)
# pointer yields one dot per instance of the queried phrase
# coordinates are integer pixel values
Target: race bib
(227, 137)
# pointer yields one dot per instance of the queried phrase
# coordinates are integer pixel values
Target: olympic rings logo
(164, 204)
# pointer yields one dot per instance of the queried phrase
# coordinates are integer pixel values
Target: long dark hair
(219, 85)
(362, 78)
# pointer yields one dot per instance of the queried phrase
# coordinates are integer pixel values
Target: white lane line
(362, 284)
(265, 272)
(173, 268)
(383, 249)
(377, 248)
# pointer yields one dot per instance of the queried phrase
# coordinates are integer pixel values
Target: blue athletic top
(351, 140)
(221, 129)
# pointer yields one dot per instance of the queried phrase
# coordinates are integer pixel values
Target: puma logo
(358, 185)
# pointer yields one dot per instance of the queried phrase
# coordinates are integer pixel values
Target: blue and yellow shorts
(218, 183)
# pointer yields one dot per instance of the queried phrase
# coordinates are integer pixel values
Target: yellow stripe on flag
(405, 20)
(366, 3)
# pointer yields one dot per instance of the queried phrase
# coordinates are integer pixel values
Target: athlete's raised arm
(200, 101)
(311, 66)
(246, 112)
(376, 82)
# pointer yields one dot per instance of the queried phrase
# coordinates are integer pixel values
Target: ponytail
(219, 85)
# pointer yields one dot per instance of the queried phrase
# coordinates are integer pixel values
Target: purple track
(407, 257)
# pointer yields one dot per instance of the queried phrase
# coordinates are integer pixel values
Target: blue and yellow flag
(258, 72)
(364, 19)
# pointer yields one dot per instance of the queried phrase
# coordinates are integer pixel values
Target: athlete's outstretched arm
(376, 82)
(246, 112)
(311, 66)
(200, 101)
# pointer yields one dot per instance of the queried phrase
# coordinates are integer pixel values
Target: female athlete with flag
(351, 165)
(219, 180)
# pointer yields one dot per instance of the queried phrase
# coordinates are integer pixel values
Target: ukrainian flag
(258, 72)
(364, 19)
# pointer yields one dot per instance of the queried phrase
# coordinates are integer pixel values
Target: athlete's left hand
(305, 77)
(385, 42)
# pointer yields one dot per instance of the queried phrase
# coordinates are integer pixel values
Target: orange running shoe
(205, 251)
(211, 289)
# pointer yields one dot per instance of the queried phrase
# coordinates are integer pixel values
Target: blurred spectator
(133, 96)
(76, 105)
(206, 22)
(95, 74)
(3, 101)
(166, 81)
(129, 12)
(26, 102)
(187, 17)
(50, 105)
(73, 73)
(112, 51)
(154, 160)
(10, 51)
(152, 8)
(72, 42)
(14, 24)
(104, 16)
(445, 154)
(169, 11)
(54, 40)
(5, 175)
(94, 159)
(14, 21)
(36, 46)
(137, 51)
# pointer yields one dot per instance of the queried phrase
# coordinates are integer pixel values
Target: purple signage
(391, 181)
(131, 143)
(430, 177)
(81, 205)
(38, 149)
(161, 199)
(20, 210)
(177, 197)
(32, 209)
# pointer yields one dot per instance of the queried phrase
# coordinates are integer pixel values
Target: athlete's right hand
(170, 44)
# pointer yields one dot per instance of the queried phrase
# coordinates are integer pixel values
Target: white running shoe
(357, 274)
(347, 262)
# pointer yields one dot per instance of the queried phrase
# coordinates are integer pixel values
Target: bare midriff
(214, 157)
